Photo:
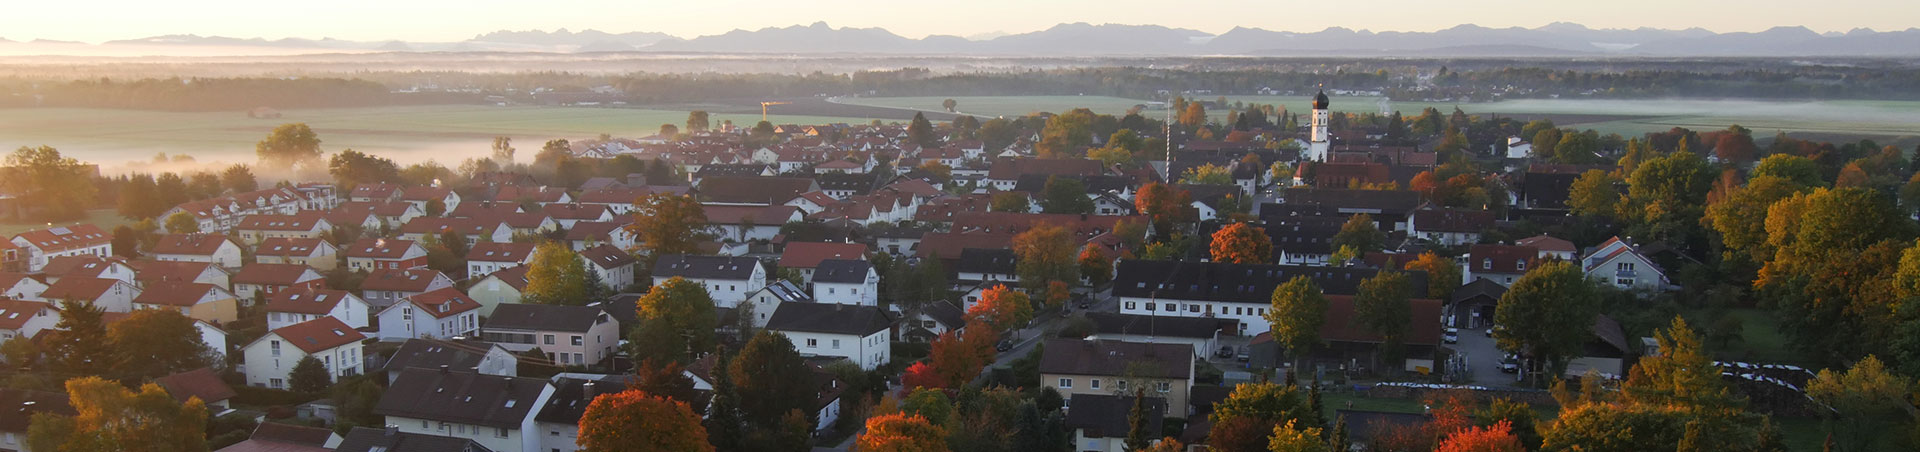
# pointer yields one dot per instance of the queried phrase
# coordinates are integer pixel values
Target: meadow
(123, 139)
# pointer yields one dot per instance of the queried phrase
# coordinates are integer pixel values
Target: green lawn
(106, 219)
(444, 133)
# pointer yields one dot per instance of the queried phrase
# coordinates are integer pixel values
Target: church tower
(1318, 143)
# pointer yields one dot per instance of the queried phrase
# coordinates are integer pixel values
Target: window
(1065, 383)
(274, 383)
(830, 291)
(1520, 264)
(1486, 264)
(1193, 308)
(275, 345)
(1130, 306)
(1172, 307)
(1623, 266)
(836, 344)
(1165, 386)
(578, 341)
(499, 432)
(811, 343)
(1624, 282)
(1122, 384)
(577, 359)
(1094, 383)
(549, 339)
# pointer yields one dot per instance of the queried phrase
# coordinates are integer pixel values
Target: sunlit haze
(454, 20)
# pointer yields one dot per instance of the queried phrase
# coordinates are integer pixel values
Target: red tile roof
(500, 252)
(444, 303)
(9, 279)
(174, 293)
(314, 336)
(1506, 258)
(462, 226)
(774, 215)
(14, 314)
(607, 256)
(537, 194)
(151, 271)
(1013, 168)
(79, 288)
(190, 244)
(403, 280)
(304, 221)
(1547, 243)
(274, 274)
(289, 247)
(809, 254)
(201, 383)
(66, 238)
(478, 209)
(376, 248)
(574, 211)
(310, 301)
(424, 193)
(948, 245)
(515, 276)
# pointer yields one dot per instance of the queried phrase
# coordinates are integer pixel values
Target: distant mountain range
(1082, 39)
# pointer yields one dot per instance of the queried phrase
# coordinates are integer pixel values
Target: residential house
(383, 288)
(42, 245)
(1005, 173)
(278, 437)
(270, 359)
(568, 335)
(1301, 240)
(111, 295)
(1502, 264)
(114, 268)
(496, 412)
(987, 266)
(1450, 227)
(498, 288)
(374, 192)
(150, 272)
(1241, 292)
(197, 300)
(570, 214)
(861, 334)
(1605, 352)
(201, 383)
(420, 197)
(257, 282)
(846, 281)
(761, 304)
(1202, 333)
(304, 225)
(374, 217)
(22, 318)
(933, 319)
(899, 241)
(749, 223)
(367, 439)
(1473, 304)
(727, 279)
(1620, 263)
(1393, 210)
(210, 248)
(22, 405)
(298, 306)
(1100, 367)
(474, 230)
(20, 286)
(560, 418)
(614, 266)
(586, 234)
(468, 355)
(805, 257)
(369, 254)
(1550, 247)
(317, 253)
(542, 195)
(486, 258)
(1101, 422)
(442, 313)
(753, 191)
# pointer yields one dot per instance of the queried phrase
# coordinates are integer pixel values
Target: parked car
(1451, 336)
(1243, 356)
(1510, 364)
(1004, 345)
(1224, 352)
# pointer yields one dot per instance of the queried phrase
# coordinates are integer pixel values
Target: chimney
(586, 391)
(443, 368)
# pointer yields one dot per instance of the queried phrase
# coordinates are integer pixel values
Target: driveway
(1483, 358)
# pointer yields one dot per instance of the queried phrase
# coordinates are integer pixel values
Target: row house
(200, 301)
(728, 279)
(1077, 368)
(114, 268)
(291, 307)
(440, 314)
(369, 254)
(749, 223)
(305, 225)
(420, 197)
(567, 335)
(373, 217)
(860, 334)
(379, 192)
(40, 246)
(198, 247)
(498, 288)
(805, 257)
(20, 286)
(227, 212)
(587, 234)
(1240, 292)
(111, 295)
(270, 359)
(256, 282)
(542, 195)
(486, 258)
(614, 266)
(25, 318)
(383, 288)
(568, 214)
(474, 230)
(619, 200)
(1450, 227)
(153, 272)
(496, 412)
(312, 252)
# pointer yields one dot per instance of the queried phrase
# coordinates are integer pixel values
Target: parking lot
(1483, 358)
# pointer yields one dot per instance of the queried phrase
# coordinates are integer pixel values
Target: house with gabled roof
(21, 286)
(374, 217)
(493, 411)
(568, 335)
(255, 282)
(200, 272)
(12, 258)
(1619, 263)
(846, 281)
(861, 334)
(1077, 367)
(197, 300)
(1502, 264)
(111, 295)
(369, 254)
(1202, 333)
(498, 288)
(22, 405)
(727, 279)
(568, 214)
(270, 359)
(23, 318)
(986, 265)
(474, 230)
(541, 195)
(115, 268)
(443, 313)
(1347, 341)
(572, 394)
(486, 258)
(931, 320)
(1450, 227)
(201, 383)
(586, 234)
(1241, 292)
(753, 191)
(374, 192)
(290, 307)
(1005, 173)
(805, 257)
(468, 355)
(209, 248)
(1551, 247)
(42, 245)
(254, 229)
(383, 288)
(317, 253)
(367, 439)
(420, 196)
(747, 223)
(1101, 422)
(614, 266)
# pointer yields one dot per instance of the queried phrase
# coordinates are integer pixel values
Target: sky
(454, 20)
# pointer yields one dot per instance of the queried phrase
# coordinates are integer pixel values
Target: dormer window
(1486, 264)
(1520, 265)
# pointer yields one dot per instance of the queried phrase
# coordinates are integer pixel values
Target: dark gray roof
(1480, 287)
(1386, 201)
(786, 291)
(860, 184)
(704, 267)
(842, 271)
(570, 398)
(545, 317)
(462, 397)
(1242, 283)
(623, 307)
(364, 439)
(997, 261)
(1102, 357)
(731, 169)
(1160, 326)
(828, 318)
(754, 190)
(1105, 416)
(945, 313)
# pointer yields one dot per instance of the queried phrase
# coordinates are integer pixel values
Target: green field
(444, 133)
(106, 219)
(1633, 117)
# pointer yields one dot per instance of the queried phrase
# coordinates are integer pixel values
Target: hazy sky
(453, 20)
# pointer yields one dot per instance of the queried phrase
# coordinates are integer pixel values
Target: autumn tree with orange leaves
(899, 432)
(1497, 438)
(1044, 254)
(1166, 204)
(958, 356)
(921, 375)
(1241, 243)
(633, 421)
(1001, 308)
(668, 224)
(1095, 266)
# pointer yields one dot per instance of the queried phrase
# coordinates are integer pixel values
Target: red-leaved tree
(632, 421)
